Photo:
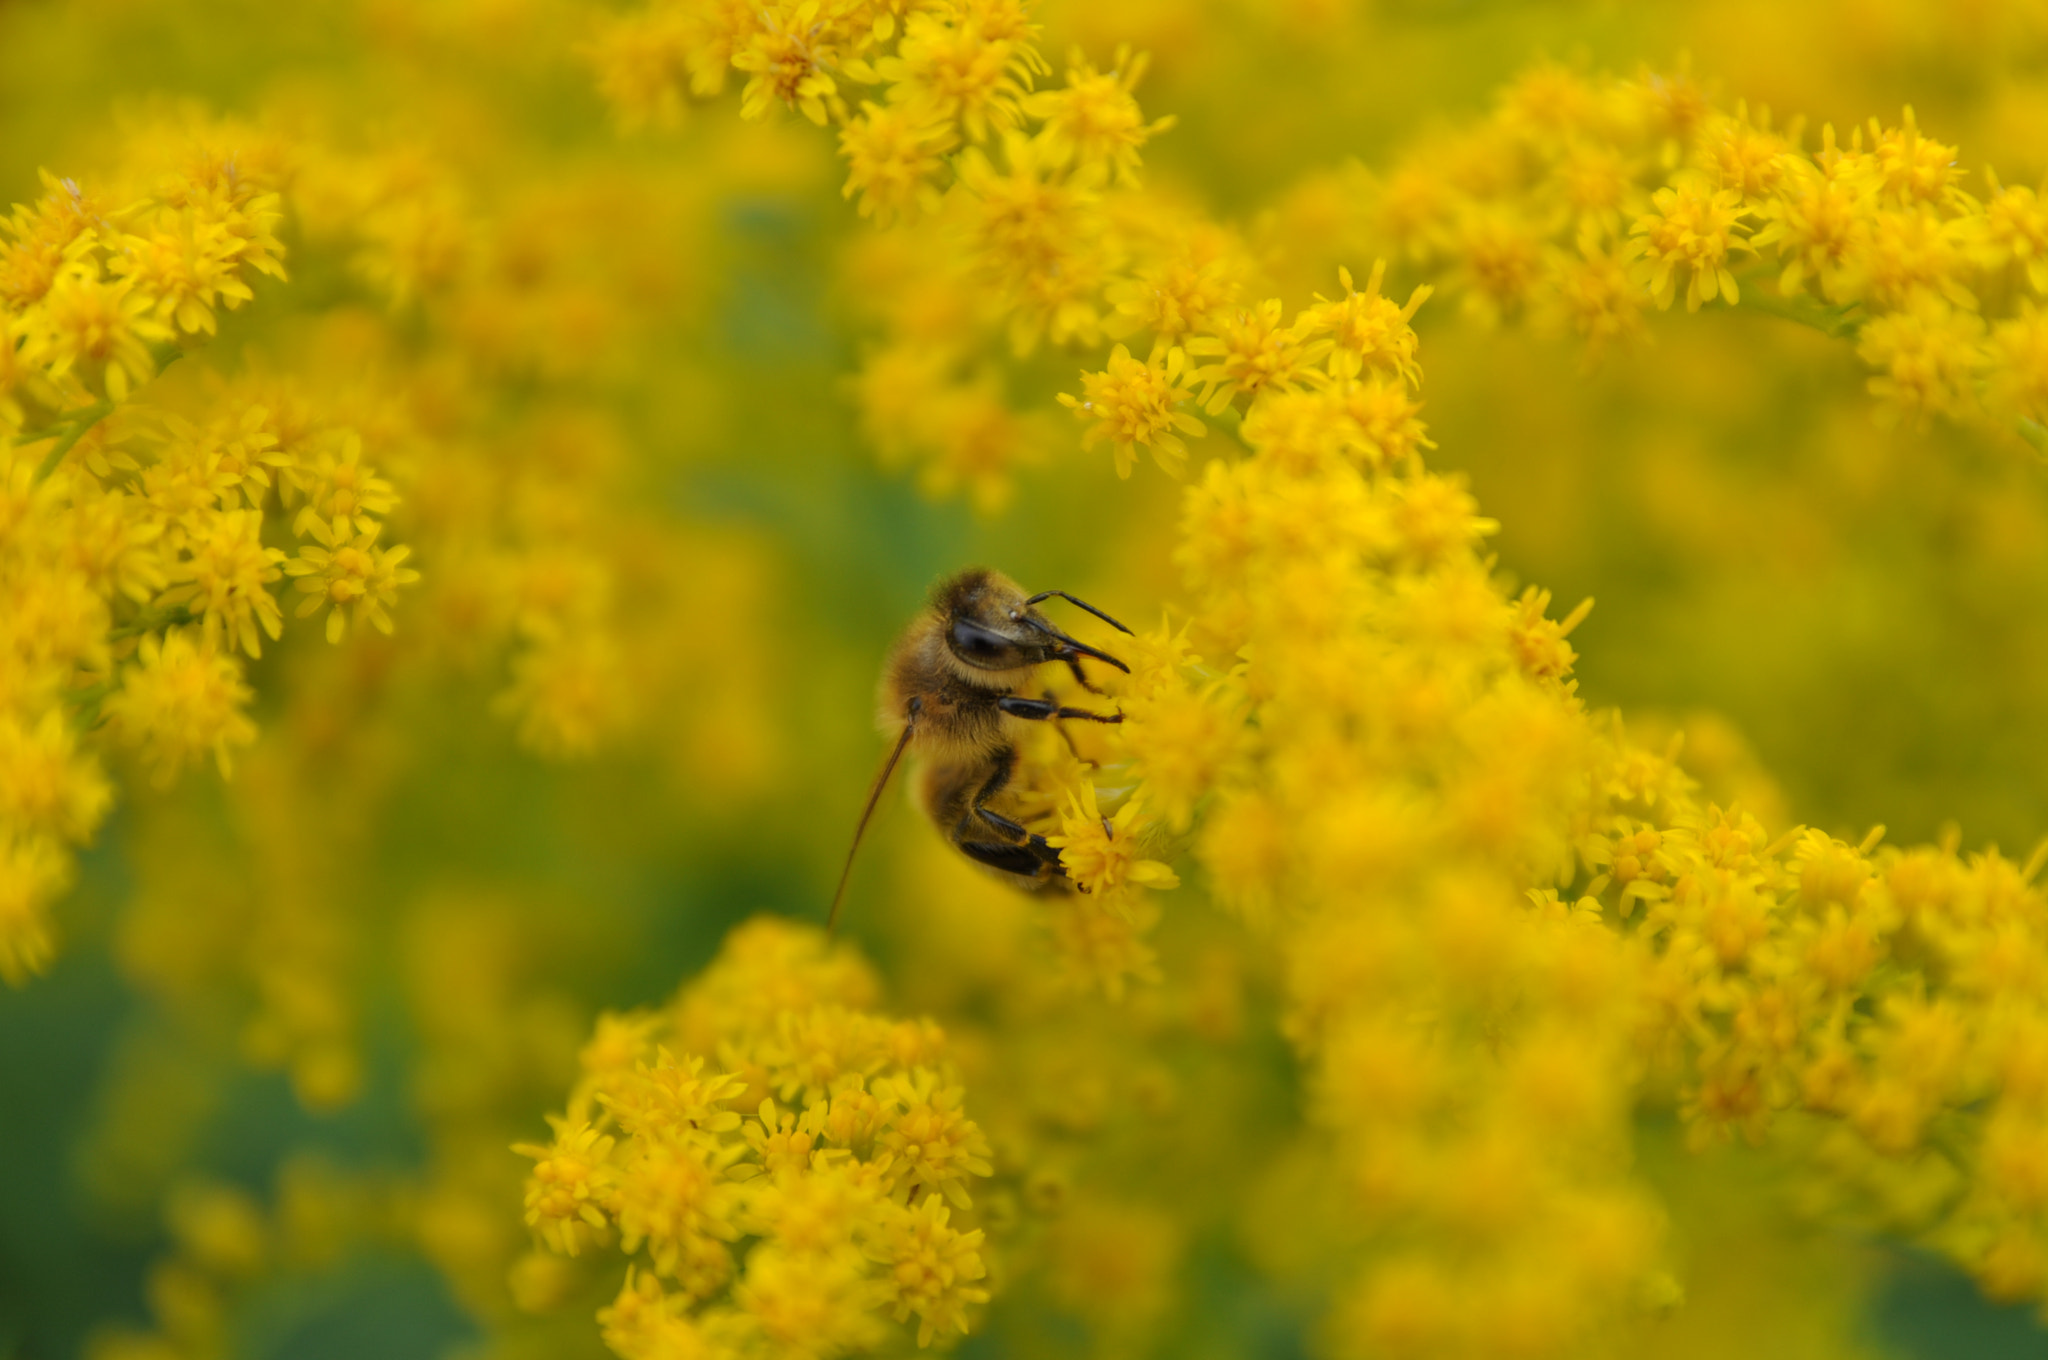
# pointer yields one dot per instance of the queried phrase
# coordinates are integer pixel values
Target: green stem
(2035, 433)
(88, 701)
(74, 427)
(1837, 323)
(150, 620)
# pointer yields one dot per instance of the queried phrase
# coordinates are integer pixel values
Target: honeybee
(950, 690)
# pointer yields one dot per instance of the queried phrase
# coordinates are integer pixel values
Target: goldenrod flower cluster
(1581, 202)
(1399, 1000)
(1496, 918)
(1016, 206)
(785, 1164)
(134, 572)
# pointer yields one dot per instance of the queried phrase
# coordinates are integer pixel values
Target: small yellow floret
(180, 700)
(1138, 403)
(1694, 231)
(1100, 853)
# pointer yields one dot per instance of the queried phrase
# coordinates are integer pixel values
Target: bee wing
(874, 797)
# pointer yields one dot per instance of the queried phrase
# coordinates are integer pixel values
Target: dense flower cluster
(1502, 925)
(1582, 202)
(1501, 990)
(784, 1164)
(134, 572)
(155, 534)
(1016, 208)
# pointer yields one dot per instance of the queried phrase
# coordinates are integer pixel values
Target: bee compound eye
(978, 646)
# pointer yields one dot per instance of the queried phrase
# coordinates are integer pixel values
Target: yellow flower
(48, 787)
(789, 63)
(340, 489)
(804, 1225)
(1927, 357)
(1908, 166)
(1253, 353)
(1038, 237)
(930, 1268)
(180, 700)
(1903, 253)
(892, 160)
(1177, 293)
(571, 1192)
(345, 569)
(643, 1323)
(33, 871)
(1137, 403)
(930, 1142)
(41, 238)
(958, 72)
(2014, 233)
(2016, 364)
(1595, 294)
(224, 577)
(1093, 122)
(1745, 156)
(642, 62)
(1367, 331)
(99, 329)
(1100, 853)
(1694, 231)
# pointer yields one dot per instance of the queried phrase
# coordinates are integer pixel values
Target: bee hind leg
(1028, 855)
(1028, 841)
(1022, 860)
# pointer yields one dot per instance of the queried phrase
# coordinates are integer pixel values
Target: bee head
(991, 625)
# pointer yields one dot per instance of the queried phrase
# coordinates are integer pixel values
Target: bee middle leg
(1040, 710)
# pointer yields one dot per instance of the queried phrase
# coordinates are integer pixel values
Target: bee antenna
(1048, 594)
(1080, 648)
(874, 797)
